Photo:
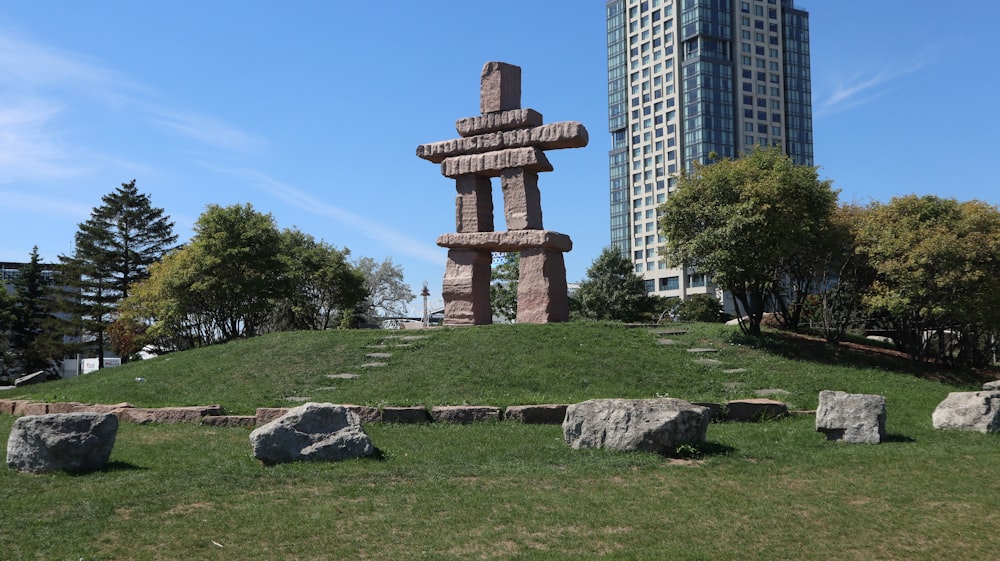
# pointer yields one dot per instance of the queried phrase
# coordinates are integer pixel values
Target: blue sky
(312, 111)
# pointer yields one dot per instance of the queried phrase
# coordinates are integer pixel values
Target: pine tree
(114, 249)
(33, 342)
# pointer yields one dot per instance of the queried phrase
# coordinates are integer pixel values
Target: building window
(669, 283)
(696, 280)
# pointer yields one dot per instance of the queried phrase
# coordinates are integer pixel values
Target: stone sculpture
(72, 442)
(505, 141)
(651, 425)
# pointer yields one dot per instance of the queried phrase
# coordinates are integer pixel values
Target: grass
(774, 490)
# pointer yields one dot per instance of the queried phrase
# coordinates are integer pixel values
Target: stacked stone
(505, 141)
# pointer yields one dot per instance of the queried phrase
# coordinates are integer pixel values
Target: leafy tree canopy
(741, 219)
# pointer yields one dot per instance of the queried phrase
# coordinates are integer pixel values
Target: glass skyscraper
(688, 79)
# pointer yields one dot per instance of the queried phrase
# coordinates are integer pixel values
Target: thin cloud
(864, 88)
(29, 147)
(203, 128)
(13, 202)
(366, 226)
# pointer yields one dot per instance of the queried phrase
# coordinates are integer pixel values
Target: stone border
(213, 415)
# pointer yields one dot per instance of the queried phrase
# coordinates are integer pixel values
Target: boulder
(311, 432)
(545, 414)
(652, 425)
(71, 442)
(752, 410)
(992, 386)
(976, 411)
(854, 418)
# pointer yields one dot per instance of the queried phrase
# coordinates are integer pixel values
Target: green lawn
(774, 490)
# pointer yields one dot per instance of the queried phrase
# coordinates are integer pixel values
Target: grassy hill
(501, 365)
(773, 490)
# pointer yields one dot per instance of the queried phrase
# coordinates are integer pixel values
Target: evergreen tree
(6, 325)
(503, 287)
(114, 249)
(32, 338)
(612, 291)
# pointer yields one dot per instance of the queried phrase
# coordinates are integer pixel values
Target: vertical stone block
(541, 287)
(522, 202)
(474, 204)
(500, 87)
(466, 288)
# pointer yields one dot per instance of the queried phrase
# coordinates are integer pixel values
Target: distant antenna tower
(426, 320)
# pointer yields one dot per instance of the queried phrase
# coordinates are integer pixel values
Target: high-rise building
(691, 78)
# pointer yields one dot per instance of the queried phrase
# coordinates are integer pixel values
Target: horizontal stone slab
(498, 121)
(465, 414)
(492, 164)
(545, 414)
(509, 241)
(554, 136)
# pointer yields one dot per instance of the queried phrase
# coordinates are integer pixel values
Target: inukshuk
(505, 141)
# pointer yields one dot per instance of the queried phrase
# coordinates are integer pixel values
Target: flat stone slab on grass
(344, 376)
(702, 350)
(76, 443)
(296, 398)
(415, 414)
(378, 355)
(167, 415)
(752, 410)
(373, 365)
(465, 414)
(666, 342)
(546, 414)
(734, 370)
(707, 362)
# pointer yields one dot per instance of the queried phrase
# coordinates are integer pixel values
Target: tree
(503, 287)
(700, 307)
(387, 294)
(741, 220)
(936, 264)
(34, 343)
(6, 326)
(324, 288)
(114, 249)
(611, 290)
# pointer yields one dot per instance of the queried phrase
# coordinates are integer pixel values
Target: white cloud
(32, 203)
(366, 226)
(203, 128)
(29, 146)
(865, 87)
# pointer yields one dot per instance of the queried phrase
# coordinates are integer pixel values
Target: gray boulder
(854, 418)
(976, 411)
(991, 386)
(653, 425)
(311, 432)
(71, 442)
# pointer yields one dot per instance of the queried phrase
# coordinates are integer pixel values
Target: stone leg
(474, 204)
(522, 203)
(466, 288)
(541, 287)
